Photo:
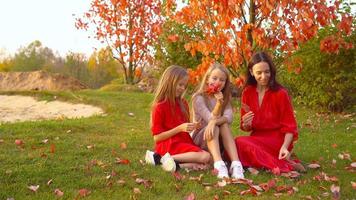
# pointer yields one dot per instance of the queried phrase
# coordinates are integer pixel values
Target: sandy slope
(24, 108)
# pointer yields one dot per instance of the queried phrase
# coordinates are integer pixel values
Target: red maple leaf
(212, 89)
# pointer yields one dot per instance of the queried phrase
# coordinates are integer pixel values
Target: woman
(267, 113)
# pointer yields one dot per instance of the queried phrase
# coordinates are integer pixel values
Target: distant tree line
(97, 70)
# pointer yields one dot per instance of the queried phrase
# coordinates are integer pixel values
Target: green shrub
(326, 81)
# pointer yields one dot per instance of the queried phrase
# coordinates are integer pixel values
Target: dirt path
(24, 108)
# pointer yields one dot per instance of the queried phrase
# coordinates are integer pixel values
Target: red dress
(163, 119)
(271, 122)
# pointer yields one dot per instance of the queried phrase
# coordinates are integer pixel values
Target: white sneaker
(168, 163)
(149, 157)
(236, 170)
(222, 169)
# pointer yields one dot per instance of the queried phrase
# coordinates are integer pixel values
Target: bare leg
(214, 147)
(193, 157)
(228, 141)
(194, 166)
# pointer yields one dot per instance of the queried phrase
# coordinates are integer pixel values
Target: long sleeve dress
(203, 114)
(272, 120)
(165, 118)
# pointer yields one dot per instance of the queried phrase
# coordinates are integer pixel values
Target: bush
(325, 81)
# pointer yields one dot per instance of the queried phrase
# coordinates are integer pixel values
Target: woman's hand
(187, 127)
(209, 130)
(247, 120)
(283, 153)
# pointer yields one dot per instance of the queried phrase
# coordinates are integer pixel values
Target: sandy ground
(24, 108)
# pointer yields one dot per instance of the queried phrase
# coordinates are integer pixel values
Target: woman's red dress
(272, 120)
(165, 118)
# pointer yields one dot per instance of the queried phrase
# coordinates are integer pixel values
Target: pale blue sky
(50, 21)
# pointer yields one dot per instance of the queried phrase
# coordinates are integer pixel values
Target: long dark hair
(257, 58)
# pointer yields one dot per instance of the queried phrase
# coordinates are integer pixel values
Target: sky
(49, 21)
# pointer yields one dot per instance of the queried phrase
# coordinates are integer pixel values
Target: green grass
(71, 166)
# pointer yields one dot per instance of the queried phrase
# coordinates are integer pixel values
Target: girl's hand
(247, 119)
(283, 153)
(187, 127)
(219, 96)
(209, 130)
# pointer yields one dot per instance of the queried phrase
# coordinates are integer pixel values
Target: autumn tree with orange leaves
(128, 27)
(234, 29)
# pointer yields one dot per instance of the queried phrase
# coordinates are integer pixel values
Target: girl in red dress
(212, 108)
(170, 125)
(267, 113)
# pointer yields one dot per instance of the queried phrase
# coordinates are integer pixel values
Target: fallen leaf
(226, 192)
(178, 187)
(253, 171)
(33, 188)
(90, 146)
(344, 156)
(313, 166)
(191, 196)
(353, 184)
(45, 141)
(325, 194)
(121, 182)
(334, 146)
(177, 176)
(131, 114)
(277, 194)
(50, 182)
(58, 192)
(335, 190)
(276, 171)
(146, 183)
(221, 183)
(68, 131)
(53, 148)
(122, 161)
(353, 164)
(84, 192)
(19, 142)
(1, 141)
(137, 191)
(123, 146)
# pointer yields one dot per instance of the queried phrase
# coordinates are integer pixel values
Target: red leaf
(122, 161)
(58, 192)
(52, 148)
(19, 142)
(123, 145)
(191, 196)
(84, 192)
(353, 184)
(212, 89)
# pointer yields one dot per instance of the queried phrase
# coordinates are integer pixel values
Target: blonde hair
(203, 86)
(166, 88)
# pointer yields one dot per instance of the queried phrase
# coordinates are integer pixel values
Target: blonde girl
(170, 125)
(214, 112)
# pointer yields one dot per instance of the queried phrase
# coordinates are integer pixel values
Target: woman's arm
(283, 152)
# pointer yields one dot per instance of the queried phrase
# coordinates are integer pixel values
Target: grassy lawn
(84, 154)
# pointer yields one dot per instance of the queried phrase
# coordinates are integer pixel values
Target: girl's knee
(205, 157)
